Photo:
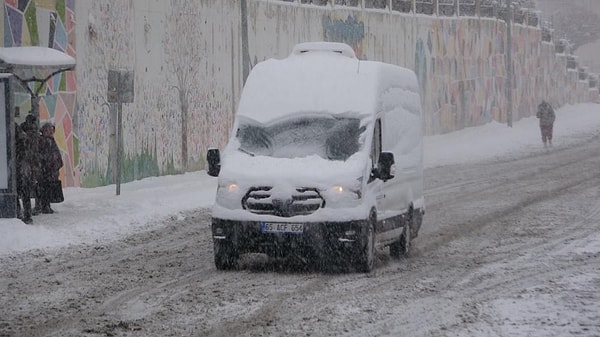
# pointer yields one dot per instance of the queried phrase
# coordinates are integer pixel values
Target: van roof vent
(331, 47)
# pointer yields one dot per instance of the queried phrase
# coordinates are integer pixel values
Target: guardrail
(480, 8)
(517, 13)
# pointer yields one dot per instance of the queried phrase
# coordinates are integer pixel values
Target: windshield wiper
(246, 152)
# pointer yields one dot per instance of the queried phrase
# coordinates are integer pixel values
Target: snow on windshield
(328, 137)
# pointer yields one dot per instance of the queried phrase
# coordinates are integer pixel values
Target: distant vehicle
(325, 161)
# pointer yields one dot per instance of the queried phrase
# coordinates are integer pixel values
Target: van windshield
(331, 138)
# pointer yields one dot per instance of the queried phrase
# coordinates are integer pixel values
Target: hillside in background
(579, 22)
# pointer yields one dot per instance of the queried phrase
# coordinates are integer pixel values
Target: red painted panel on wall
(68, 126)
(60, 110)
(44, 114)
(71, 81)
(68, 99)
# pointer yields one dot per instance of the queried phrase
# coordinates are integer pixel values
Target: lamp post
(245, 48)
(120, 90)
(509, 71)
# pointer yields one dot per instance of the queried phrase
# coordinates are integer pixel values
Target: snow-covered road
(508, 247)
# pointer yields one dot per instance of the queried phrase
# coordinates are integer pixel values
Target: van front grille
(303, 201)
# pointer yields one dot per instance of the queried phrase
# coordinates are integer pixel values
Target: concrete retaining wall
(187, 58)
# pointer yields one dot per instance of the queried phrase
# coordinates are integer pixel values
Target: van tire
(366, 253)
(226, 256)
(401, 248)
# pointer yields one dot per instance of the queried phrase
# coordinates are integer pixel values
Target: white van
(325, 161)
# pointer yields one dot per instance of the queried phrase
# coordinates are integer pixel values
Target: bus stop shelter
(28, 66)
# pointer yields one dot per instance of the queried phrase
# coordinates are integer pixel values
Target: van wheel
(401, 248)
(366, 253)
(226, 256)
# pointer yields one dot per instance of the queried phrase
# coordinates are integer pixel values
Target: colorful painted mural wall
(187, 59)
(461, 64)
(49, 23)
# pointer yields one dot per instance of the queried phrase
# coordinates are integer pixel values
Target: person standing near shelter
(25, 173)
(31, 128)
(50, 162)
(546, 115)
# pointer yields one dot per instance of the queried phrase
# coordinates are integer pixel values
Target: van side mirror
(386, 168)
(213, 158)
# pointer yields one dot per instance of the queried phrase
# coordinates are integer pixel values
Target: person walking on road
(546, 115)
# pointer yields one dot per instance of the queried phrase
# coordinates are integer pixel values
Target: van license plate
(271, 227)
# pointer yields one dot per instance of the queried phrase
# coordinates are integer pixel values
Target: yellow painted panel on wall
(48, 4)
(26, 36)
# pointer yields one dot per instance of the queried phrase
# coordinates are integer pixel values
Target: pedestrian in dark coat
(25, 167)
(50, 162)
(31, 128)
(546, 115)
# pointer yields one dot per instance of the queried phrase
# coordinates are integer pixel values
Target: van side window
(376, 144)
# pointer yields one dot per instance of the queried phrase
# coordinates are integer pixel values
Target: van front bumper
(316, 239)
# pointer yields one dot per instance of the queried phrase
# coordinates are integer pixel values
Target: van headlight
(341, 196)
(229, 195)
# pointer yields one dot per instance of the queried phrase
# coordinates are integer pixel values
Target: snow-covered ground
(508, 248)
(98, 214)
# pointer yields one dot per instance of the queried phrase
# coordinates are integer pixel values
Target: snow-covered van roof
(328, 47)
(319, 77)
